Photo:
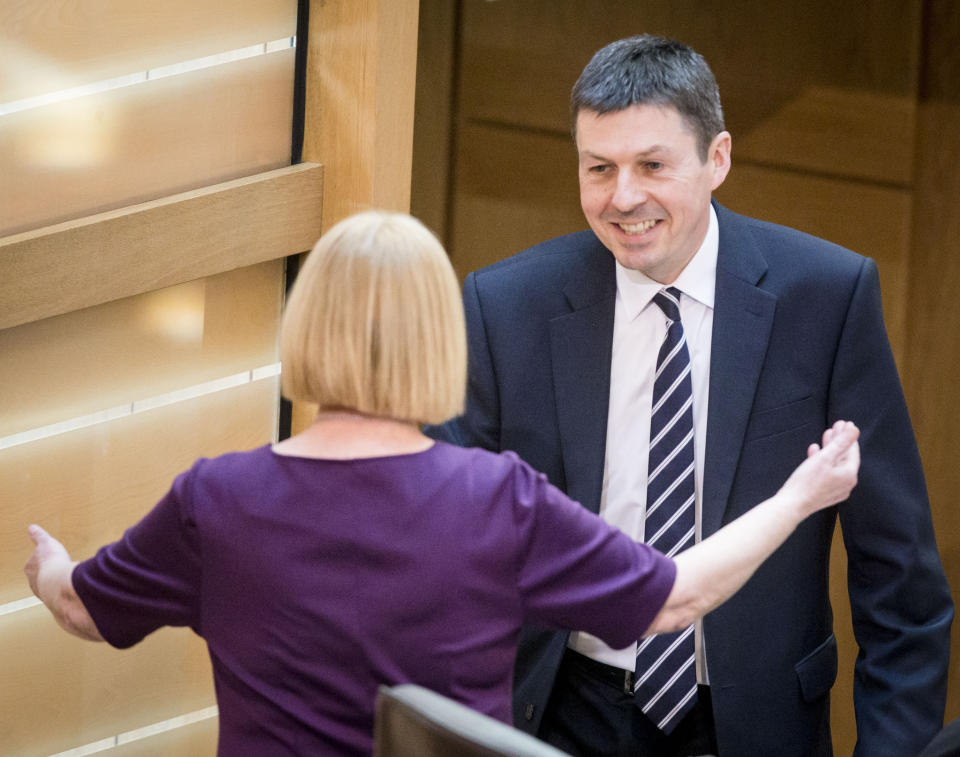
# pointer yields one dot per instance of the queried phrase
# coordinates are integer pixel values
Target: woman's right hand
(829, 473)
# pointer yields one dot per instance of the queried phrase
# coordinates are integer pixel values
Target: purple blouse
(315, 581)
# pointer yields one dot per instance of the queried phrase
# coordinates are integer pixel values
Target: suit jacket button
(528, 712)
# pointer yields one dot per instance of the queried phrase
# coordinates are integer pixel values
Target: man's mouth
(637, 229)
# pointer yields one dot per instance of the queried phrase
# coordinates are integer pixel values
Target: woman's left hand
(47, 553)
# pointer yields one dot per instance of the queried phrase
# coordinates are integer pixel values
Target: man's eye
(654, 165)
(599, 169)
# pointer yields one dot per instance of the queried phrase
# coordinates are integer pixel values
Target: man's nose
(630, 192)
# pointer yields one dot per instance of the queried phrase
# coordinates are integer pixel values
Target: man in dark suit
(785, 335)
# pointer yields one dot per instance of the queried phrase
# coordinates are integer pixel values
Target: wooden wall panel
(139, 347)
(57, 44)
(841, 132)
(932, 371)
(130, 145)
(194, 740)
(165, 242)
(60, 692)
(868, 218)
(519, 61)
(432, 133)
(86, 486)
(514, 188)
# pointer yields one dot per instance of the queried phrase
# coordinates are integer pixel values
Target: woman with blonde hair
(359, 552)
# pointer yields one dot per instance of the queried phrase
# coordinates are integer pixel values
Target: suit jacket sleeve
(479, 426)
(899, 597)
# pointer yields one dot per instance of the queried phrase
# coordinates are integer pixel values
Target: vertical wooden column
(361, 79)
(932, 366)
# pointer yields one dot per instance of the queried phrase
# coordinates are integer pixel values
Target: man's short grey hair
(649, 70)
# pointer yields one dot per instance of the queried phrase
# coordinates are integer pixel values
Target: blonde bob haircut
(374, 323)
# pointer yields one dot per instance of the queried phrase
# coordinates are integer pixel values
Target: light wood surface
(158, 244)
(360, 98)
(139, 347)
(61, 692)
(57, 44)
(87, 486)
(95, 153)
(194, 740)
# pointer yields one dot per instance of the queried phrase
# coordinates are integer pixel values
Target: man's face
(643, 188)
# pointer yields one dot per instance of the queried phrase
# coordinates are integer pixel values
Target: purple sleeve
(150, 577)
(578, 572)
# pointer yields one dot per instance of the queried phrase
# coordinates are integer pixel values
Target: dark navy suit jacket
(798, 342)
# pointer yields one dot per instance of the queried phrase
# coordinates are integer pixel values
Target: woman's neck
(345, 435)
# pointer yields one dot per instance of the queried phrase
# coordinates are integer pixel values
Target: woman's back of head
(374, 323)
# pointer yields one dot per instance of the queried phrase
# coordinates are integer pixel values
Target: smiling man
(666, 369)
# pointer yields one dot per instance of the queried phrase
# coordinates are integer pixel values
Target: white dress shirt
(638, 331)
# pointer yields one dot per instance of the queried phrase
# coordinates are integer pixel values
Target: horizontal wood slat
(157, 244)
(56, 44)
(139, 347)
(87, 486)
(850, 133)
(109, 150)
(197, 739)
(60, 692)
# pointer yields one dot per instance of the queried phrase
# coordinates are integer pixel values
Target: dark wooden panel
(872, 220)
(513, 189)
(519, 61)
(932, 371)
(433, 113)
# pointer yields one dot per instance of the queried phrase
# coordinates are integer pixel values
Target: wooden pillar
(361, 78)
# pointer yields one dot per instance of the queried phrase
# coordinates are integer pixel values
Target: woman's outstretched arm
(48, 571)
(712, 571)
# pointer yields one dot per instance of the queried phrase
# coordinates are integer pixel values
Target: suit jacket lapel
(580, 347)
(742, 319)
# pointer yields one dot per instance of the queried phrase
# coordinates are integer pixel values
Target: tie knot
(669, 302)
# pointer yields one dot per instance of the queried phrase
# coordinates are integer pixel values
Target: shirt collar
(697, 280)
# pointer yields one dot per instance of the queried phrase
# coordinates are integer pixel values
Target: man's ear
(718, 156)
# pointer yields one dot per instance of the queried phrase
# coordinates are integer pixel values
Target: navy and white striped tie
(665, 686)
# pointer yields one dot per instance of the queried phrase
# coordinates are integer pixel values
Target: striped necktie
(665, 686)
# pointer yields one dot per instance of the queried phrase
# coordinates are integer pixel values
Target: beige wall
(845, 124)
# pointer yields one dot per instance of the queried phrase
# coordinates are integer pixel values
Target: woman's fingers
(839, 440)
